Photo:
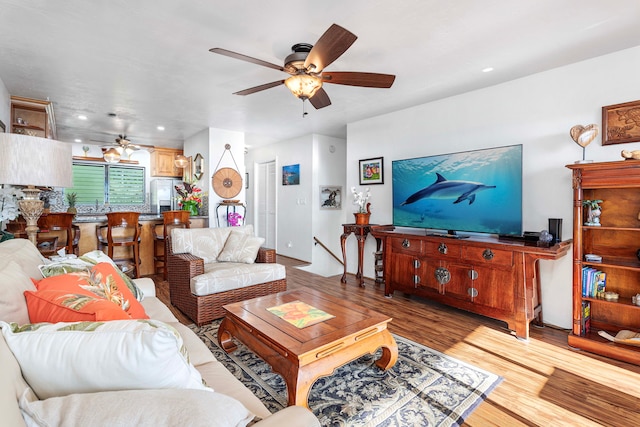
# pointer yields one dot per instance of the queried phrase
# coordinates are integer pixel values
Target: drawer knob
(406, 243)
(442, 248)
(416, 263)
(487, 254)
(473, 274)
(473, 292)
(442, 275)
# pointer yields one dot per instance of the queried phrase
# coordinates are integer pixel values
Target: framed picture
(291, 175)
(621, 123)
(330, 197)
(371, 171)
(3, 128)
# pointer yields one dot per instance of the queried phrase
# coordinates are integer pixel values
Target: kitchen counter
(81, 218)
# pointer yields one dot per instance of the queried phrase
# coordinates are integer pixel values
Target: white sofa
(22, 253)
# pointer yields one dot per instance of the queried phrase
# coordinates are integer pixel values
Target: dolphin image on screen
(444, 189)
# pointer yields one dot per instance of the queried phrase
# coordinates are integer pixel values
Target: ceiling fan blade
(320, 99)
(352, 78)
(333, 43)
(259, 88)
(246, 58)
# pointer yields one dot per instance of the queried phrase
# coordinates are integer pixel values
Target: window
(113, 184)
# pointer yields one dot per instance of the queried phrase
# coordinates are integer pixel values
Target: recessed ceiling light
(160, 128)
(487, 70)
(77, 140)
(82, 117)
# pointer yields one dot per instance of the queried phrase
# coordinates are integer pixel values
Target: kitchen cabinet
(32, 117)
(484, 275)
(162, 162)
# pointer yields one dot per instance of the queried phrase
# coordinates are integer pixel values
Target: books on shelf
(585, 318)
(593, 282)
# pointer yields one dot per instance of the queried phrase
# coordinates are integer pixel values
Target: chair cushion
(14, 282)
(206, 243)
(98, 294)
(58, 359)
(240, 247)
(140, 408)
(224, 276)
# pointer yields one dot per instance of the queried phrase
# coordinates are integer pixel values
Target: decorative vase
(362, 218)
(191, 206)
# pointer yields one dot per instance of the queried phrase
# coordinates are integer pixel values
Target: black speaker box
(555, 229)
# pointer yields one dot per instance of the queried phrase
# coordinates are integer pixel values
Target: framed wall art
(371, 171)
(3, 128)
(330, 197)
(621, 123)
(291, 175)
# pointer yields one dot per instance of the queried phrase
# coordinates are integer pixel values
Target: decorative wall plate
(226, 182)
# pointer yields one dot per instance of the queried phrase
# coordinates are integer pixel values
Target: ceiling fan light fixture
(181, 161)
(111, 156)
(304, 86)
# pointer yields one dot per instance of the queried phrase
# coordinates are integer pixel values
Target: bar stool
(58, 224)
(122, 230)
(170, 220)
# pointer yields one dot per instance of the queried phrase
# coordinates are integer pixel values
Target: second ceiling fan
(306, 66)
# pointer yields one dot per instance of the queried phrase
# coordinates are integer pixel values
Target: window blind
(113, 184)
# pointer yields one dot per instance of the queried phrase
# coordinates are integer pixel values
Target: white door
(266, 203)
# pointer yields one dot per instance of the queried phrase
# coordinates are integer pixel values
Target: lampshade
(111, 155)
(30, 160)
(34, 161)
(181, 161)
(303, 86)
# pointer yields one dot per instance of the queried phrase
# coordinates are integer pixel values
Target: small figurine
(593, 212)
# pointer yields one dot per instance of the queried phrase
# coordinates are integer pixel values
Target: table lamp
(32, 161)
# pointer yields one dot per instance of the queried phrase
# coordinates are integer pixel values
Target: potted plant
(72, 198)
(364, 208)
(8, 209)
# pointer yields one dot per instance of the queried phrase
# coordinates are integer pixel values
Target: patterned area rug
(424, 388)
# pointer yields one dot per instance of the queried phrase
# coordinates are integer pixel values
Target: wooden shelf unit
(32, 117)
(617, 240)
(484, 275)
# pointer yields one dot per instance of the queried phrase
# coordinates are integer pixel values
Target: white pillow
(240, 247)
(58, 359)
(13, 283)
(140, 408)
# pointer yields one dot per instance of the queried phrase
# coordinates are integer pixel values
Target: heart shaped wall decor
(584, 135)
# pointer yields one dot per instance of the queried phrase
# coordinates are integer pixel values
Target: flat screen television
(476, 191)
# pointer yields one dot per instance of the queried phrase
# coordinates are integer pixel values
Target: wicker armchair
(203, 309)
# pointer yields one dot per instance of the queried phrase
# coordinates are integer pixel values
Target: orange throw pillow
(97, 295)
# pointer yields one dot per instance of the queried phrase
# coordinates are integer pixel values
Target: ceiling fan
(306, 66)
(122, 145)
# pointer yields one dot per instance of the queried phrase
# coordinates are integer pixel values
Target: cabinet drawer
(406, 245)
(480, 255)
(442, 249)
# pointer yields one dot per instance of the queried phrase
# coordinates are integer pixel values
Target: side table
(361, 232)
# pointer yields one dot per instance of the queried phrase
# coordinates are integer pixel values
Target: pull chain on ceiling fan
(306, 66)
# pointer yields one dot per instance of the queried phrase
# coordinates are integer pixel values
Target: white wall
(536, 111)
(299, 215)
(5, 106)
(329, 168)
(219, 158)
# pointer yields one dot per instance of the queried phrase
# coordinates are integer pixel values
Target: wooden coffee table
(302, 355)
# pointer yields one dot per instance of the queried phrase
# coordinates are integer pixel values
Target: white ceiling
(148, 61)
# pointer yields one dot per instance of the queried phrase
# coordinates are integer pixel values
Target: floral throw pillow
(94, 295)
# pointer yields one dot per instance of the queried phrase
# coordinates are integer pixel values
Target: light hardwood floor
(545, 382)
